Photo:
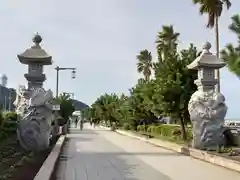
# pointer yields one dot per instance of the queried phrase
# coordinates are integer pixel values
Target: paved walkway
(96, 154)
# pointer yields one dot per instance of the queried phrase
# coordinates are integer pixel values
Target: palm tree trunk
(217, 53)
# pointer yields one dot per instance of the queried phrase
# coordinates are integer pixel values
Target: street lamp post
(63, 69)
(10, 100)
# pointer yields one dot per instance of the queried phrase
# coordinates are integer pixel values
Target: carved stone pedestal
(35, 110)
(207, 112)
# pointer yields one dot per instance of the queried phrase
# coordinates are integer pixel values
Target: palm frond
(235, 25)
(213, 8)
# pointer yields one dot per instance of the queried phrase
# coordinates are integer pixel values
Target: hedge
(172, 131)
(164, 130)
(126, 126)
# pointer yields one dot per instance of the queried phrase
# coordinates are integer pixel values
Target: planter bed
(186, 144)
(226, 155)
(17, 164)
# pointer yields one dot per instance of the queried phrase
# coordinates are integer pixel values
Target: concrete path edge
(49, 164)
(198, 154)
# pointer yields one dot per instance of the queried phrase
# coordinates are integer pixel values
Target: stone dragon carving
(35, 110)
(207, 112)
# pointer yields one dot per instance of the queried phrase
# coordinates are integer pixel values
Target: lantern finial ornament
(37, 39)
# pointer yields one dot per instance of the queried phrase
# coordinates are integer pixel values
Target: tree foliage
(8, 124)
(168, 93)
(66, 106)
(213, 9)
(165, 95)
(174, 82)
(231, 53)
(144, 64)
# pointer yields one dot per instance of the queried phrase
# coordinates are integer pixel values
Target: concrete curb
(49, 164)
(198, 154)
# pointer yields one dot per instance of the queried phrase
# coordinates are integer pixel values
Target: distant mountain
(78, 105)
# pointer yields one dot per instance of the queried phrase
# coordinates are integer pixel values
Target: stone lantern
(206, 107)
(34, 104)
(206, 64)
(35, 57)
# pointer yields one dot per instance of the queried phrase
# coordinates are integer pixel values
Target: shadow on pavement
(117, 166)
(103, 166)
(138, 153)
(98, 159)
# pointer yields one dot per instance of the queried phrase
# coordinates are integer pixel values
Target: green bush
(176, 132)
(126, 126)
(8, 124)
(167, 130)
(11, 116)
(138, 128)
(151, 129)
(141, 128)
(164, 130)
(1, 119)
(157, 130)
(118, 124)
(189, 134)
(133, 127)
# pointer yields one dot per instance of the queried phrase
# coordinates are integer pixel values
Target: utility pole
(10, 100)
(5, 102)
(57, 69)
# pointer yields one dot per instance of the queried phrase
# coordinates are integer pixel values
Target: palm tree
(231, 54)
(214, 10)
(166, 41)
(106, 108)
(145, 64)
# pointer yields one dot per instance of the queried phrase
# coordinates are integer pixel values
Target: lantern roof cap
(206, 59)
(35, 53)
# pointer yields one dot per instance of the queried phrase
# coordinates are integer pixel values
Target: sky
(101, 38)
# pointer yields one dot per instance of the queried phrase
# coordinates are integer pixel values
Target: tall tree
(174, 82)
(105, 108)
(213, 8)
(145, 64)
(66, 106)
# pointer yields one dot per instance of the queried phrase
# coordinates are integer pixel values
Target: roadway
(97, 154)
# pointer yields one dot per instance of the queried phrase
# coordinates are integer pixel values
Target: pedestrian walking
(94, 124)
(76, 122)
(81, 123)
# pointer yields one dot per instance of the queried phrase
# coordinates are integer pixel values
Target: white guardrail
(232, 123)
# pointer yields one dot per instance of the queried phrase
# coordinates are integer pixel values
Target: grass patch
(17, 164)
(163, 138)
